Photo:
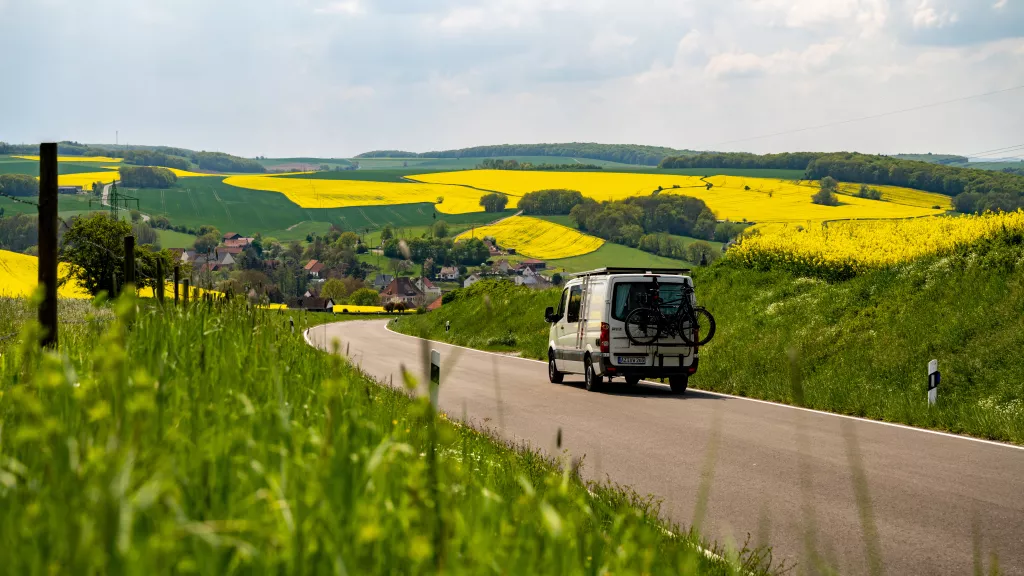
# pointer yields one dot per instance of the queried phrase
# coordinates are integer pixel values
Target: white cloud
(350, 7)
(1000, 4)
(810, 60)
(928, 16)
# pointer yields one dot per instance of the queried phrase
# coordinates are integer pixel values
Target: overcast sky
(339, 77)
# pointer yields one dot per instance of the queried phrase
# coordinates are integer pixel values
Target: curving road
(937, 501)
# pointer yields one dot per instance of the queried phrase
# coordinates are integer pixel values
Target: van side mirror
(549, 315)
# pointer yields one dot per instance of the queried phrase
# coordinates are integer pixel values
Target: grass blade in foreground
(217, 442)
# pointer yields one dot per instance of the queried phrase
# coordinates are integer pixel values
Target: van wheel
(592, 381)
(632, 380)
(553, 374)
(678, 383)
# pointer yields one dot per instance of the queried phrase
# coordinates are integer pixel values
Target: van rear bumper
(607, 369)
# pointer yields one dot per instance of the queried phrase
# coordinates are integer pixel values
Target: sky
(332, 78)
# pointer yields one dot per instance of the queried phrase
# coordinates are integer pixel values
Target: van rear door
(627, 294)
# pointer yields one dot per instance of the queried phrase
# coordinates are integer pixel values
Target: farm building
(401, 290)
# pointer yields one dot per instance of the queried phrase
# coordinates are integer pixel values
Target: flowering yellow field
(537, 238)
(177, 172)
(322, 193)
(20, 274)
(85, 179)
(842, 249)
(74, 158)
(353, 309)
(731, 197)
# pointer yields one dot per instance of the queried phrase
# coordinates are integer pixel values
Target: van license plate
(632, 360)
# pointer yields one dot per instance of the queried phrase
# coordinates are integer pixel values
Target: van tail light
(605, 337)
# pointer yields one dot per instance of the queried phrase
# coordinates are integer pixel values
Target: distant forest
(164, 156)
(972, 190)
(624, 153)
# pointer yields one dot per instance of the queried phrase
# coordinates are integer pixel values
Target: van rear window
(630, 295)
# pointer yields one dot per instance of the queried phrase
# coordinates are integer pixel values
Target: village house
(401, 290)
(429, 290)
(473, 279)
(501, 267)
(381, 281)
(314, 268)
(435, 305)
(448, 273)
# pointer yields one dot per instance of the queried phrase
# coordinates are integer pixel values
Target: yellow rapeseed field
(85, 179)
(323, 193)
(19, 276)
(841, 249)
(537, 238)
(177, 172)
(354, 309)
(74, 158)
(731, 197)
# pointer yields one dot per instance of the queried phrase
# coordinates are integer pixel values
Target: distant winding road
(937, 501)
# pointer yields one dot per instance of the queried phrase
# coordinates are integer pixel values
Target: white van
(588, 330)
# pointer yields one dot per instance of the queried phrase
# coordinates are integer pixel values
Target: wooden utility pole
(177, 276)
(129, 261)
(48, 242)
(159, 288)
(185, 286)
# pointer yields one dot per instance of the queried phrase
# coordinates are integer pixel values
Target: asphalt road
(781, 475)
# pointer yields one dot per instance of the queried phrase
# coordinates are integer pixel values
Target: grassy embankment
(215, 441)
(862, 345)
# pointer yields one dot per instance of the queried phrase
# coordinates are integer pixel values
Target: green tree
(94, 247)
(826, 194)
(494, 202)
(701, 250)
(364, 297)
(440, 229)
(334, 289)
(348, 239)
(206, 243)
(386, 234)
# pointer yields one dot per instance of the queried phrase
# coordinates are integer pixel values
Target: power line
(1003, 149)
(872, 117)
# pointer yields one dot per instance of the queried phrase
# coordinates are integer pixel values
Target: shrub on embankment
(862, 345)
(216, 441)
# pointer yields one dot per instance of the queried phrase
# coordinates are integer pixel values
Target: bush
(548, 202)
(494, 202)
(364, 297)
(147, 177)
(19, 185)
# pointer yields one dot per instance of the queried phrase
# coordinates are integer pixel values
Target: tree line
(440, 251)
(972, 190)
(149, 155)
(147, 177)
(154, 158)
(513, 164)
(650, 223)
(19, 185)
(624, 153)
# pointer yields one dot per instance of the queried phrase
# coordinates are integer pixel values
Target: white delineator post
(933, 381)
(435, 376)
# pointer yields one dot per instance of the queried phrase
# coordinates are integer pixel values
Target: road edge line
(768, 402)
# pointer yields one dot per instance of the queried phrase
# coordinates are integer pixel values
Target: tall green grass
(864, 343)
(216, 441)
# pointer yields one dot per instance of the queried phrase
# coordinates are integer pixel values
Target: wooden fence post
(129, 261)
(48, 242)
(177, 276)
(159, 288)
(185, 286)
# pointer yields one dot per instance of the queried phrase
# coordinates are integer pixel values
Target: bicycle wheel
(705, 328)
(643, 326)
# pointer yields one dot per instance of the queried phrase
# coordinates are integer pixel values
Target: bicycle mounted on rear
(646, 324)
